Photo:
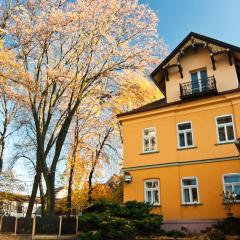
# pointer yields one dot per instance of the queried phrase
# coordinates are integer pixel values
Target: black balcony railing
(199, 87)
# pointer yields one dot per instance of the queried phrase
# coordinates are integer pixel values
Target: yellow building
(180, 152)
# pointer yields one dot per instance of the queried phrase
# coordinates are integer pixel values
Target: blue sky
(219, 19)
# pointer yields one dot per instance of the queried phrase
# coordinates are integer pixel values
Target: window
(231, 184)
(185, 135)
(225, 129)
(190, 193)
(199, 81)
(149, 140)
(152, 192)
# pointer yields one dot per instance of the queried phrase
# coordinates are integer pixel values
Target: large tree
(65, 50)
(96, 149)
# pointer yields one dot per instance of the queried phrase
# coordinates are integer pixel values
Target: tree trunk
(69, 196)
(42, 196)
(70, 182)
(1, 164)
(95, 158)
(33, 194)
(50, 176)
(50, 184)
(90, 188)
(1, 153)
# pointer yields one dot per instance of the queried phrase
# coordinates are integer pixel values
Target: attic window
(199, 81)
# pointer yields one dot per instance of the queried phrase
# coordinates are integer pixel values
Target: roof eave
(179, 46)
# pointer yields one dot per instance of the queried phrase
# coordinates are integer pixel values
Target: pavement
(13, 237)
(29, 237)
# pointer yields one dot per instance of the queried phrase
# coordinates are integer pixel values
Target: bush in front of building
(230, 226)
(107, 220)
(90, 221)
(149, 225)
(175, 234)
(215, 234)
(120, 229)
(91, 235)
(133, 210)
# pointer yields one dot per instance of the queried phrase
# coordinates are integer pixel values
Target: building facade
(16, 205)
(180, 152)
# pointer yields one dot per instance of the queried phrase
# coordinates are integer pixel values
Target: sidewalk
(12, 237)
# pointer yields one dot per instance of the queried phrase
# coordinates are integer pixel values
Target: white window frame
(190, 192)
(225, 129)
(229, 184)
(198, 76)
(152, 189)
(143, 137)
(185, 135)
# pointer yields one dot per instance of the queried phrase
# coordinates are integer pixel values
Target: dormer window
(199, 81)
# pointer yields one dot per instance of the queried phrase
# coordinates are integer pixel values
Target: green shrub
(175, 234)
(118, 229)
(215, 234)
(90, 236)
(149, 226)
(230, 226)
(113, 221)
(103, 206)
(90, 221)
(133, 210)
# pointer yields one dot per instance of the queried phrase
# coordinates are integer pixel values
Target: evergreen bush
(113, 221)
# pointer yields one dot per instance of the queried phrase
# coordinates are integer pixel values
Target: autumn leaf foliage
(63, 52)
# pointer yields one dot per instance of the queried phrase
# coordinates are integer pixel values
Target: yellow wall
(225, 75)
(210, 187)
(202, 114)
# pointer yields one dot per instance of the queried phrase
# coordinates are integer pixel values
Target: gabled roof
(161, 103)
(186, 39)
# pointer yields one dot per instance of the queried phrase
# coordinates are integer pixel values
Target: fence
(55, 226)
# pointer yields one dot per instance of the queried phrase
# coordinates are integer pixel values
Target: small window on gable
(149, 140)
(185, 135)
(225, 129)
(199, 81)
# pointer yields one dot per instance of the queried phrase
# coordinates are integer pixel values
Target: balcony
(197, 88)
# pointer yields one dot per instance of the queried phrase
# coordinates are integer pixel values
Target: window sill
(186, 148)
(237, 202)
(223, 143)
(152, 152)
(191, 204)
